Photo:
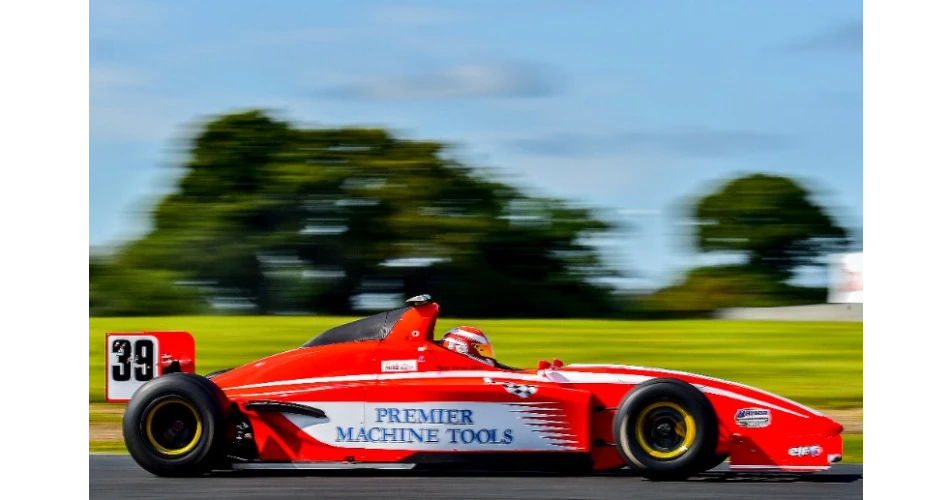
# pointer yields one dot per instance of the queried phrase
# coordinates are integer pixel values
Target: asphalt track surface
(117, 476)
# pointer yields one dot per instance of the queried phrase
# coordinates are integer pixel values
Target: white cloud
(844, 37)
(112, 77)
(455, 82)
(702, 142)
(128, 116)
(121, 109)
(313, 35)
(638, 211)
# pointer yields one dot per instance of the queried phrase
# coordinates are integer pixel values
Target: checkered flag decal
(521, 390)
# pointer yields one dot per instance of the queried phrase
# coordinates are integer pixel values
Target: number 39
(144, 360)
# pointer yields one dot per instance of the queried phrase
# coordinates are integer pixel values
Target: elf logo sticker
(403, 365)
(805, 451)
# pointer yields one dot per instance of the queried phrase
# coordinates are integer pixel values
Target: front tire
(175, 425)
(666, 429)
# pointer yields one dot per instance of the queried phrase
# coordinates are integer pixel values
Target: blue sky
(630, 106)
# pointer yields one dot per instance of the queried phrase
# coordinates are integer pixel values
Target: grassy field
(818, 364)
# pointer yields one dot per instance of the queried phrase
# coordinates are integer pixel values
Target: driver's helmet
(470, 341)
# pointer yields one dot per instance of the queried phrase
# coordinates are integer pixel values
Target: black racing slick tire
(175, 425)
(666, 429)
(714, 462)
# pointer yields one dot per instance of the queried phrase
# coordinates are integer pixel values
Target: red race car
(381, 392)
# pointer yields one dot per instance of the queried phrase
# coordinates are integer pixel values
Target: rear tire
(175, 425)
(666, 429)
(714, 462)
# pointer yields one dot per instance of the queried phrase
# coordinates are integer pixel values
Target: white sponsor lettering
(402, 365)
(752, 418)
(805, 451)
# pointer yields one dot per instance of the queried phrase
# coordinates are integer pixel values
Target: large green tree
(305, 219)
(771, 220)
(116, 290)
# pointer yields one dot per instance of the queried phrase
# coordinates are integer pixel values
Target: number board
(132, 361)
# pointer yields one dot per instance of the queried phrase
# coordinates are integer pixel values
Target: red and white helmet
(470, 341)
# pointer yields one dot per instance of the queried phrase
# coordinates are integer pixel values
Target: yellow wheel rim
(173, 427)
(665, 430)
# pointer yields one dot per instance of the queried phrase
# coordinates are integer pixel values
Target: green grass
(818, 364)
(853, 448)
(108, 447)
(100, 417)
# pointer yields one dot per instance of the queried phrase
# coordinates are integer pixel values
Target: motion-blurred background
(607, 158)
(627, 160)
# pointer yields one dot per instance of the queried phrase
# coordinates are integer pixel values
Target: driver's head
(470, 341)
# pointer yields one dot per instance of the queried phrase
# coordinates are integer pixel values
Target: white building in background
(846, 278)
(844, 302)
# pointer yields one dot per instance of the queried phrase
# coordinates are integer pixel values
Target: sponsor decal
(446, 426)
(805, 451)
(440, 425)
(403, 365)
(521, 390)
(133, 360)
(752, 418)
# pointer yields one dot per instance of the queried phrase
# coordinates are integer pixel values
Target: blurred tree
(305, 219)
(711, 288)
(768, 219)
(121, 292)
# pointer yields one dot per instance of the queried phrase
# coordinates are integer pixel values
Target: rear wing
(134, 358)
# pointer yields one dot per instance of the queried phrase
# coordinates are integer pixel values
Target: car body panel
(382, 390)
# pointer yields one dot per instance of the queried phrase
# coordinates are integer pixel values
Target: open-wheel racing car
(381, 392)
